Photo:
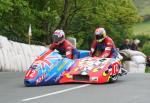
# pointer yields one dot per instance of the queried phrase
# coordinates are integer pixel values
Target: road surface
(132, 88)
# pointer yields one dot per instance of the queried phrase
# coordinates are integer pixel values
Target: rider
(62, 45)
(103, 46)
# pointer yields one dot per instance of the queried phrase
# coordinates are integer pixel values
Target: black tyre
(113, 78)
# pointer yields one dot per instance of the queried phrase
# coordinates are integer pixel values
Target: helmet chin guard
(100, 40)
(100, 34)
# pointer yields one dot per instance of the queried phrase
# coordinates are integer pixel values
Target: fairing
(51, 68)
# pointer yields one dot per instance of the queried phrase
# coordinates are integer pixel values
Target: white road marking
(53, 93)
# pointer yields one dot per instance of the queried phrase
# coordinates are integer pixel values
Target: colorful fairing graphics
(51, 68)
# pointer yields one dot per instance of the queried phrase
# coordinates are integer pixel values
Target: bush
(146, 48)
(147, 70)
(142, 37)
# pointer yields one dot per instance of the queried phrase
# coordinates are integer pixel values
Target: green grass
(145, 11)
(147, 70)
(142, 28)
(143, 6)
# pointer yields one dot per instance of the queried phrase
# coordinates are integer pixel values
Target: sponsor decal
(105, 73)
(107, 48)
(68, 76)
(88, 68)
(58, 78)
(115, 68)
(30, 74)
(41, 64)
(39, 80)
(95, 70)
(76, 69)
(53, 66)
(92, 49)
(45, 55)
(109, 78)
(69, 65)
(96, 63)
(68, 52)
(65, 62)
(94, 78)
(50, 77)
(84, 73)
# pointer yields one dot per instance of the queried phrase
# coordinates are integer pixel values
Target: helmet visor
(99, 37)
(56, 39)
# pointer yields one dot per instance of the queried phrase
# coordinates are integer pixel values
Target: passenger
(63, 45)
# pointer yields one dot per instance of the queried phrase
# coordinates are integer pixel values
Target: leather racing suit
(105, 49)
(66, 48)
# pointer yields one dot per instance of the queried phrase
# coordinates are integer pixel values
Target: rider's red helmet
(100, 34)
(58, 36)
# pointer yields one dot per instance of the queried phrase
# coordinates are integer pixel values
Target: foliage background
(78, 18)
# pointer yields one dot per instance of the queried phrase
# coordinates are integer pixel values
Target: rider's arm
(107, 50)
(93, 48)
(69, 52)
(51, 46)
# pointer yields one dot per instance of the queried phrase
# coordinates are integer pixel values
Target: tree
(14, 18)
(78, 18)
(117, 17)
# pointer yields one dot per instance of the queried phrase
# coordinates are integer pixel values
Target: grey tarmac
(132, 88)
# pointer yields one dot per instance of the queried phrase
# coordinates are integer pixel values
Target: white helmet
(58, 36)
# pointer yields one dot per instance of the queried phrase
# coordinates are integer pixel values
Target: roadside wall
(16, 56)
(137, 62)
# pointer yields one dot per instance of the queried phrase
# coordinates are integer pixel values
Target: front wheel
(113, 78)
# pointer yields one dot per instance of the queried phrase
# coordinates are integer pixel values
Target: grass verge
(147, 70)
